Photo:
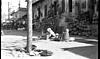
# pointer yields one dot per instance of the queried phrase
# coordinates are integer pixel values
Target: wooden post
(29, 30)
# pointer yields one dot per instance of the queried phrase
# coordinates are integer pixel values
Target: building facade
(48, 9)
(56, 11)
(20, 13)
(42, 8)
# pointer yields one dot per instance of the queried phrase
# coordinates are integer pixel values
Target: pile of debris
(22, 52)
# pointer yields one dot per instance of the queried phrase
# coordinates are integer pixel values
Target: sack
(46, 53)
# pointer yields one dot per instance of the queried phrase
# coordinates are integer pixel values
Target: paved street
(79, 49)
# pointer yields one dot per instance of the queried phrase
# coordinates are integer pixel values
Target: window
(55, 7)
(45, 7)
(33, 16)
(39, 12)
(63, 6)
(84, 5)
(70, 5)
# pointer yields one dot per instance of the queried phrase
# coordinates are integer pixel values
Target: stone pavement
(61, 50)
(80, 49)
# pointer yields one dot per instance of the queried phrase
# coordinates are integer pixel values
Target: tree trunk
(29, 31)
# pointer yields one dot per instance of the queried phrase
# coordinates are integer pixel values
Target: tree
(29, 30)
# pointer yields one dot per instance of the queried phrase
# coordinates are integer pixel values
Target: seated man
(50, 33)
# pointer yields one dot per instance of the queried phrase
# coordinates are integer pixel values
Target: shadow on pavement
(88, 41)
(90, 52)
